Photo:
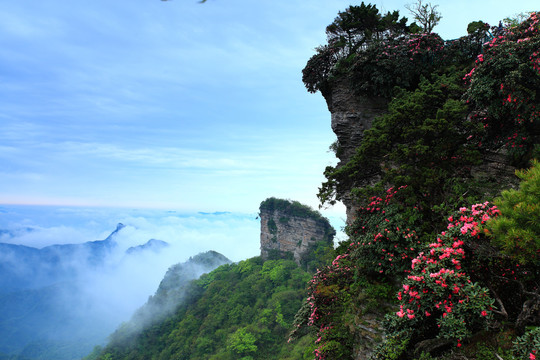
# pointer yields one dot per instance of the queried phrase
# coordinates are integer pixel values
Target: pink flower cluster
(438, 288)
(418, 45)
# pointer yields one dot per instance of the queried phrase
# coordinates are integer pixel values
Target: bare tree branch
(425, 14)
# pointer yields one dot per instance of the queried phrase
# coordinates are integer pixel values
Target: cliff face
(291, 228)
(351, 115)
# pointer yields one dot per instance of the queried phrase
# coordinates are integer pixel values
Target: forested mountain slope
(242, 310)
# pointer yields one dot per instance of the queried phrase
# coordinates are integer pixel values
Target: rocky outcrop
(290, 228)
(351, 114)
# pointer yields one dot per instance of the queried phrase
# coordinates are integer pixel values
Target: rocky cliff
(351, 115)
(290, 228)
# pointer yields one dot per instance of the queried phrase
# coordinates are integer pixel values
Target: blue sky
(175, 104)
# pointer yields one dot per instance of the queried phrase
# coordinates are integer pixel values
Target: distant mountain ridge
(23, 267)
(152, 245)
(41, 292)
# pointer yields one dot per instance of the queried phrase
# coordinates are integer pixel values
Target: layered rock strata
(351, 115)
(289, 227)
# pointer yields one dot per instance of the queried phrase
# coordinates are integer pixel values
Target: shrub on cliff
(438, 298)
(472, 276)
(377, 53)
(381, 245)
(504, 87)
(383, 239)
(352, 32)
(509, 264)
(290, 208)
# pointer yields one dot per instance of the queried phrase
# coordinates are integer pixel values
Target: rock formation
(351, 115)
(288, 227)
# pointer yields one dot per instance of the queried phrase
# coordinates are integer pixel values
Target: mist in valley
(56, 292)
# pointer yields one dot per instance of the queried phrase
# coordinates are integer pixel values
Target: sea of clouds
(112, 292)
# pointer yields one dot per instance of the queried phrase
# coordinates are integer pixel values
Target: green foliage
(394, 63)
(527, 347)
(243, 310)
(291, 209)
(318, 69)
(316, 256)
(353, 27)
(242, 342)
(272, 227)
(284, 220)
(517, 230)
(359, 25)
(377, 53)
(394, 346)
(477, 27)
(424, 356)
(517, 19)
(487, 352)
(275, 254)
(358, 37)
(327, 310)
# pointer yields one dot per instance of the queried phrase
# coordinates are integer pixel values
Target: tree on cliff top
(358, 25)
(353, 30)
